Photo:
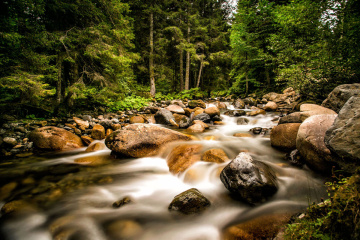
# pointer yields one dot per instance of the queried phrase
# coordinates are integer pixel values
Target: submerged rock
(250, 180)
(189, 202)
(141, 140)
(216, 155)
(122, 202)
(53, 138)
(183, 156)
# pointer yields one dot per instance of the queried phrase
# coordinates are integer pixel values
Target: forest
(55, 55)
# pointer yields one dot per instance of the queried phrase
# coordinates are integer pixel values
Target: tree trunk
(198, 81)
(60, 80)
(187, 73)
(151, 57)
(181, 69)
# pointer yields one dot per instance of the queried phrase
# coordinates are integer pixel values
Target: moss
(335, 218)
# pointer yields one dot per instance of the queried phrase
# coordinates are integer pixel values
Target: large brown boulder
(183, 156)
(212, 111)
(283, 136)
(339, 96)
(141, 140)
(311, 145)
(53, 138)
(98, 132)
(343, 137)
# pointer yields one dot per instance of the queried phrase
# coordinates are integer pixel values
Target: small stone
(122, 202)
(191, 201)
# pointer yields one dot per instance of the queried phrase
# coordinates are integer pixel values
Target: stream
(75, 198)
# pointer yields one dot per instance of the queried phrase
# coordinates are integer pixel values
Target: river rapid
(86, 212)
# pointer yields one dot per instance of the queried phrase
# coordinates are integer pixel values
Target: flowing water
(83, 207)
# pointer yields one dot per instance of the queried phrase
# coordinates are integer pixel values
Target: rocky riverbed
(139, 175)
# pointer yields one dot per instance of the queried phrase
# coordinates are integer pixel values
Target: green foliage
(128, 103)
(335, 218)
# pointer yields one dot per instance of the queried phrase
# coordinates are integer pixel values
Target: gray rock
(250, 180)
(339, 96)
(203, 117)
(242, 121)
(163, 116)
(343, 137)
(291, 118)
(189, 202)
(239, 104)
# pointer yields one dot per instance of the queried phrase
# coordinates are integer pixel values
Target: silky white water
(88, 213)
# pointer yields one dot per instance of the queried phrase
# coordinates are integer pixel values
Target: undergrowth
(335, 218)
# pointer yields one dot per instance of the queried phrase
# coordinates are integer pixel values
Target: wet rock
(340, 95)
(196, 103)
(235, 113)
(183, 156)
(124, 229)
(137, 119)
(256, 130)
(256, 112)
(212, 111)
(311, 145)
(270, 106)
(203, 117)
(141, 140)
(98, 132)
(243, 135)
(164, 116)
(196, 128)
(178, 102)
(198, 111)
(87, 118)
(96, 147)
(219, 123)
(242, 121)
(291, 118)
(217, 118)
(175, 109)
(10, 141)
(221, 105)
(87, 140)
(250, 101)
(93, 160)
(191, 201)
(250, 180)
(182, 120)
(108, 132)
(122, 202)
(308, 110)
(6, 190)
(239, 104)
(81, 123)
(295, 158)
(264, 227)
(216, 155)
(201, 123)
(343, 137)
(17, 206)
(284, 136)
(53, 138)
(116, 126)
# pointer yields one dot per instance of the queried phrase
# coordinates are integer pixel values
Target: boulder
(137, 119)
(182, 157)
(239, 104)
(182, 120)
(221, 105)
(343, 137)
(311, 145)
(87, 140)
(242, 121)
(81, 123)
(250, 101)
(291, 118)
(308, 110)
(196, 128)
(175, 109)
(284, 136)
(141, 140)
(216, 155)
(163, 116)
(250, 180)
(263, 227)
(191, 201)
(98, 132)
(196, 103)
(256, 112)
(53, 138)
(340, 95)
(270, 106)
(212, 111)
(203, 117)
